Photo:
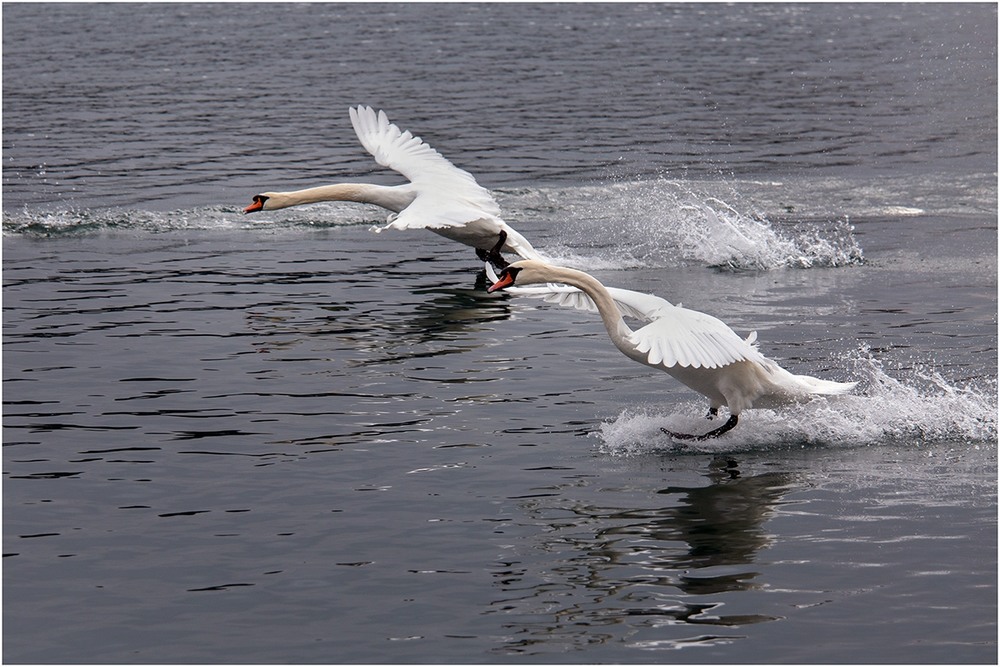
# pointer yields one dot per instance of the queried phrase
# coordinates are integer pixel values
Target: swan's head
(525, 272)
(265, 201)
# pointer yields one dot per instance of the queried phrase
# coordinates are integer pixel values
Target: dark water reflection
(671, 567)
(722, 523)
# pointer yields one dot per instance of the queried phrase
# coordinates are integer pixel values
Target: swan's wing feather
(561, 295)
(687, 338)
(448, 196)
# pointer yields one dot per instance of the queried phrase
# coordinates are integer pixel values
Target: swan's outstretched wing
(636, 305)
(446, 195)
(687, 338)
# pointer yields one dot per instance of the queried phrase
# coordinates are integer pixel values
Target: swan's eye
(509, 274)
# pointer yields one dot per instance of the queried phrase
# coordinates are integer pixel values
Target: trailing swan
(698, 350)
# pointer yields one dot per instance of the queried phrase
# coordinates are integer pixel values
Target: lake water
(283, 438)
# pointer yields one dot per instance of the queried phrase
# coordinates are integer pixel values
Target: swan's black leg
(493, 255)
(714, 433)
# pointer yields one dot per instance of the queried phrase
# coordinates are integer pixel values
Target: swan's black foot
(493, 255)
(712, 413)
(714, 433)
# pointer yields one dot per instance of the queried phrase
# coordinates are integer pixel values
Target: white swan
(439, 197)
(699, 350)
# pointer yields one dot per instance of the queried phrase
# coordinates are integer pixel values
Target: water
(287, 439)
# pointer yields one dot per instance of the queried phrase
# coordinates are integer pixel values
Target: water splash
(656, 223)
(924, 409)
(713, 232)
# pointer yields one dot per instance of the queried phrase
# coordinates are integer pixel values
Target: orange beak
(257, 205)
(506, 280)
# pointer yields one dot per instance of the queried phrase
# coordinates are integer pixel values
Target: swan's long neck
(618, 331)
(394, 198)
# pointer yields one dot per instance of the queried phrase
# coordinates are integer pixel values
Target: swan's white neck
(395, 198)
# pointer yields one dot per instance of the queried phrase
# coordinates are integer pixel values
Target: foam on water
(923, 408)
(71, 222)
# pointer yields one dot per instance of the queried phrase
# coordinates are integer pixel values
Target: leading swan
(699, 350)
(439, 197)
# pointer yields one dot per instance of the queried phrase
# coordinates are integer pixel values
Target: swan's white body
(439, 197)
(700, 351)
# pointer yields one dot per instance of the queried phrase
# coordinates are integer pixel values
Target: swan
(698, 350)
(439, 197)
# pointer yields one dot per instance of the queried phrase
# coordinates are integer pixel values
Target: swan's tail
(788, 387)
(824, 387)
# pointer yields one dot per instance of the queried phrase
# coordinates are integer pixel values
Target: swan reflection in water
(667, 570)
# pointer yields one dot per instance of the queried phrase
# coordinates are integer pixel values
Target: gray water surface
(284, 438)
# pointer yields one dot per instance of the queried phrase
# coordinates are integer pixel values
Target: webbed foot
(714, 433)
